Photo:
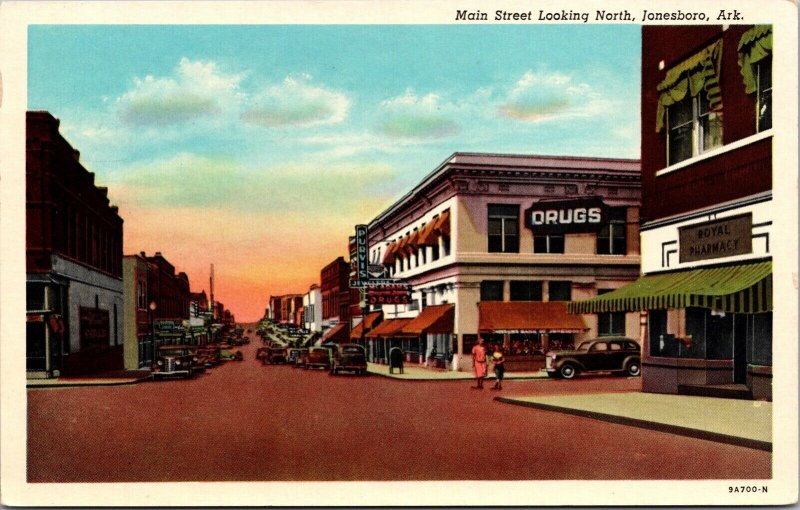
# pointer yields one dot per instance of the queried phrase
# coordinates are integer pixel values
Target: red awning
(527, 317)
(370, 320)
(387, 328)
(429, 236)
(433, 319)
(337, 334)
(388, 257)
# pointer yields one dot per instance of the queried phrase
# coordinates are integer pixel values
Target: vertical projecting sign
(361, 262)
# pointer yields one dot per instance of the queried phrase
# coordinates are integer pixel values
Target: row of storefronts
(538, 252)
(89, 309)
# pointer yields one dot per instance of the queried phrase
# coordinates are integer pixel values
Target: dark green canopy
(733, 289)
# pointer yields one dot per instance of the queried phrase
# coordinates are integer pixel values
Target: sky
(258, 148)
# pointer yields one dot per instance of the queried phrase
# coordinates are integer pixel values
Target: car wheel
(633, 369)
(568, 371)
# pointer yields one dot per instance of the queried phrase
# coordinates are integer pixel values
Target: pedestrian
(499, 367)
(479, 363)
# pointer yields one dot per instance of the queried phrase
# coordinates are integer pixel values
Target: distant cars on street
(608, 354)
(175, 360)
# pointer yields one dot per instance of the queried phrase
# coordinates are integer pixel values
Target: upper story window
(525, 291)
(492, 290)
(503, 228)
(560, 291)
(613, 236)
(552, 243)
(755, 63)
(690, 104)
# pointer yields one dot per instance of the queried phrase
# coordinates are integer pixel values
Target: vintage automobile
(300, 360)
(231, 355)
(261, 353)
(275, 355)
(210, 354)
(318, 357)
(175, 360)
(349, 357)
(607, 354)
(292, 355)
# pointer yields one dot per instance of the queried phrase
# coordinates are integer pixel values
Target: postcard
(399, 253)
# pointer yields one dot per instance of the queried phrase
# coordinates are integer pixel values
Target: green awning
(700, 72)
(755, 45)
(733, 289)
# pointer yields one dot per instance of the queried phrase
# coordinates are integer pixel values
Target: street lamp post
(152, 308)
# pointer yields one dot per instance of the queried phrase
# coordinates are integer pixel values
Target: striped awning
(733, 289)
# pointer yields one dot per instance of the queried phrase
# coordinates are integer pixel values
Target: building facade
(505, 240)
(73, 260)
(137, 318)
(707, 211)
(312, 309)
(335, 296)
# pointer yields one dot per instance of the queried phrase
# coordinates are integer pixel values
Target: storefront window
(759, 339)
(560, 291)
(492, 290)
(526, 291)
(661, 344)
(525, 344)
(34, 296)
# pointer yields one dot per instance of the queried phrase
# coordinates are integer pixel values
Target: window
(503, 229)
(553, 243)
(611, 323)
(491, 290)
(613, 237)
(435, 252)
(560, 291)
(692, 128)
(446, 245)
(526, 291)
(764, 95)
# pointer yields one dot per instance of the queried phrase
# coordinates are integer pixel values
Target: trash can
(395, 359)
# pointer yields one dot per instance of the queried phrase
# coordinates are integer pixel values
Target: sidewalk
(116, 378)
(414, 372)
(745, 423)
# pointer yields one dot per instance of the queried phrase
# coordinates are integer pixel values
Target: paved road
(246, 422)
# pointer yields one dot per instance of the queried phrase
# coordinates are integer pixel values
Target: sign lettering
(715, 239)
(566, 216)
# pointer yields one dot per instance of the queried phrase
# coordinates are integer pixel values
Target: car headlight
(194, 359)
(160, 362)
(177, 362)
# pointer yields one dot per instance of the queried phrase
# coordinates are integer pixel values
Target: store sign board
(725, 237)
(566, 216)
(389, 295)
(359, 258)
(94, 328)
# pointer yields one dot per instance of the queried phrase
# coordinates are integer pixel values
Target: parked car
(231, 355)
(174, 360)
(275, 355)
(318, 357)
(350, 357)
(608, 354)
(211, 354)
(300, 361)
(291, 356)
(261, 353)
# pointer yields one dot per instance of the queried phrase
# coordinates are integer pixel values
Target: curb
(84, 384)
(645, 424)
(451, 379)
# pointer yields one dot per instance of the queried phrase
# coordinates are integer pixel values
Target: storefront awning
(370, 321)
(733, 289)
(433, 319)
(429, 236)
(388, 328)
(336, 334)
(527, 317)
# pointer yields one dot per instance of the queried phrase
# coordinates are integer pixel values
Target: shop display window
(759, 339)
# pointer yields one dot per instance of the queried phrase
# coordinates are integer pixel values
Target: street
(242, 421)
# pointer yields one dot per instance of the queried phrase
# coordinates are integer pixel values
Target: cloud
(410, 116)
(545, 97)
(208, 183)
(296, 102)
(198, 89)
